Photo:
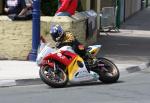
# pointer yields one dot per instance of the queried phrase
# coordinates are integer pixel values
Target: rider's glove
(57, 44)
(81, 47)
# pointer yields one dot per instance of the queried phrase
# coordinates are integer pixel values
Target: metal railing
(108, 19)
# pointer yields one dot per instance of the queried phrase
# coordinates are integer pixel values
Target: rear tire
(109, 73)
(48, 76)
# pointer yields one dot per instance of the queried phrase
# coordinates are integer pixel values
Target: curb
(138, 68)
(135, 69)
(20, 82)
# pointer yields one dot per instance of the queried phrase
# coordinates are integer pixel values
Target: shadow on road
(87, 84)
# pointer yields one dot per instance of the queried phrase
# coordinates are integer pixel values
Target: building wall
(106, 3)
(1, 6)
(85, 4)
(131, 7)
(122, 10)
(128, 7)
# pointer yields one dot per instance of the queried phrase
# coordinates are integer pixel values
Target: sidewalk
(14, 73)
(18, 73)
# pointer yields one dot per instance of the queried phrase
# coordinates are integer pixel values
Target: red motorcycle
(58, 67)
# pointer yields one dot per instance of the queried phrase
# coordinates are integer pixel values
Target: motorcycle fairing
(77, 72)
(94, 49)
(73, 62)
(64, 57)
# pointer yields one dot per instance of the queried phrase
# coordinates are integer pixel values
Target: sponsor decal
(82, 74)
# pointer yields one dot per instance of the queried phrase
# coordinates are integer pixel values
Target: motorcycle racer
(63, 38)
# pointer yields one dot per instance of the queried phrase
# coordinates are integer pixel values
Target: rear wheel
(54, 78)
(108, 71)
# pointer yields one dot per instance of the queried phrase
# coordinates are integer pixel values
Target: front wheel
(108, 71)
(54, 78)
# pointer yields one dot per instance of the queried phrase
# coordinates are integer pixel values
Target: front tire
(56, 80)
(109, 73)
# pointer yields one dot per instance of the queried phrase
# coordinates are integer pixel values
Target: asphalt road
(131, 88)
(121, 48)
